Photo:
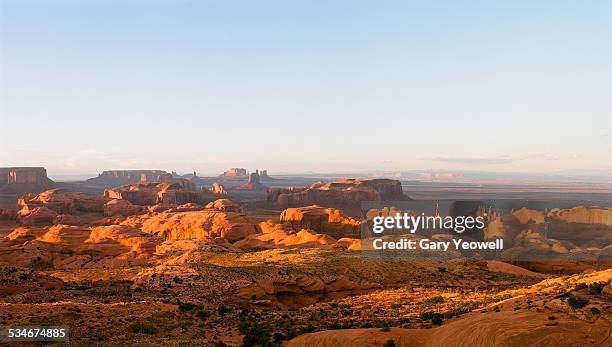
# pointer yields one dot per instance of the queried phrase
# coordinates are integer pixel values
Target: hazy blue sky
(306, 85)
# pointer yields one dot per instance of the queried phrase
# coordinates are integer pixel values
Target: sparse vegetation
(143, 328)
(576, 302)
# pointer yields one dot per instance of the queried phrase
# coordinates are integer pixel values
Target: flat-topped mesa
(175, 191)
(115, 178)
(235, 172)
(21, 180)
(343, 192)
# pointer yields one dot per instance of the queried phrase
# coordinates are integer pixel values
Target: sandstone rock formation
(179, 191)
(64, 201)
(538, 318)
(122, 207)
(234, 172)
(528, 216)
(344, 192)
(63, 246)
(263, 175)
(225, 205)
(200, 225)
(583, 215)
(281, 236)
(217, 189)
(67, 219)
(8, 213)
(325, 220)
(21, 180)
(253, 183)
(115, 178)
(301, 290)
(36, 216)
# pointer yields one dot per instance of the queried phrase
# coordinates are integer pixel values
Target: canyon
(239, 256)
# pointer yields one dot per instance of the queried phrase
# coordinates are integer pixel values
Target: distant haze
(324, 86)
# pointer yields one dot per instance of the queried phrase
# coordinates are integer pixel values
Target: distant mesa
(343, 192)
(235, 172)
(240, 173)
(22, 180)
(115, 178)
(435, 176)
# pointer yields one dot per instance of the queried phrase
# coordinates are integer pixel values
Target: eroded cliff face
(329, 221)
(344, 192)
(22, 180)
(177, 191)
(235, 172)
(115, 178)
(253, 183)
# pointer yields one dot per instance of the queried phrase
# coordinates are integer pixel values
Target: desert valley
(246, 258)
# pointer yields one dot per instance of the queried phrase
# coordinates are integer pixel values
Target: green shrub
(222, 310)
(577, 302)
(596, 287)
(278, 337)
(438, 299)
(389, 343)
(143, 328)
(187, 306)
(580, 286)
(435, 318)
(256, 335)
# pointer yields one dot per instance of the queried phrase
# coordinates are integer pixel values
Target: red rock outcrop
(344, 192)
(21, 180)
(583, 215)
(349, 243)
(36, 216)
(217, 189)
(200, 225)
(253, 183)
(280, 236)
(8, 213)
(325, 220)
(67, 219)
(122, 207)
(528, 216)
(65, 201)
(179, 191)
(225, 205)
(234, 172)
(115, 178)
(63, 246)
(287, 291)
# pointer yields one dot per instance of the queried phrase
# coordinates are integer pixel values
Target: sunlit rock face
(344, 192)
(22, 180)
(115, 178)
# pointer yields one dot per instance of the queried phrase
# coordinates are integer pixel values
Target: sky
(294, 86)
